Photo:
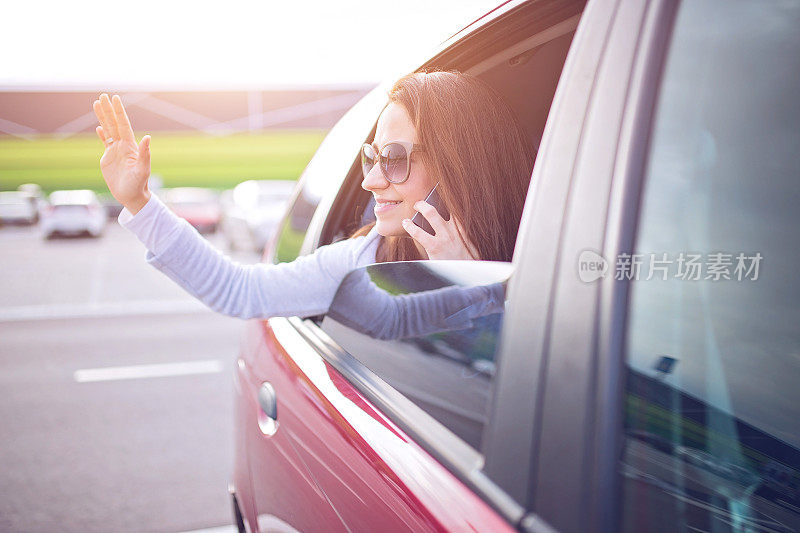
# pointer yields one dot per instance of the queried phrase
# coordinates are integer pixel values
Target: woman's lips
(383, 206)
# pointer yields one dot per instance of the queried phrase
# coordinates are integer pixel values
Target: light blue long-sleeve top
(305, 287)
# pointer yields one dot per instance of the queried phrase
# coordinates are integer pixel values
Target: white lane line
(221, 529)
(96, 310)
(148, 371)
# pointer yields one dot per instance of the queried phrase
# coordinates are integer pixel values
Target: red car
(200, 207)
(616, 388)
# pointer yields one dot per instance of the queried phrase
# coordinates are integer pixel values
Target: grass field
(218, 162)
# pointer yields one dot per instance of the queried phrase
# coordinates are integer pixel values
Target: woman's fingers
(101, 117)
(123, 124)
(446, 244)
(432, 216)
(110, 125)
(100, 133)
(144, 155)
(418, 234)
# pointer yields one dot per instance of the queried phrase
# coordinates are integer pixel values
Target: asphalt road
(85, 450)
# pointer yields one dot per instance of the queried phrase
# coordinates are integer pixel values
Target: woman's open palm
(124, 164)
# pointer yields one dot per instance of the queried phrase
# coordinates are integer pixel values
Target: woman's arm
(304, 287)
(363, 306)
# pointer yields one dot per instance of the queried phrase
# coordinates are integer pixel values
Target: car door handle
(268, 401)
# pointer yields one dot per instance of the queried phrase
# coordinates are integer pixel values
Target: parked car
(665, 131)
(73, 213)
(252, 210)
(36, 195)
(198, 205)
(17, 208)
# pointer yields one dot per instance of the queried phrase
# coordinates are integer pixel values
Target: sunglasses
(393, 158)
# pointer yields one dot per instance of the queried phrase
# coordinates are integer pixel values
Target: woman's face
(395, 201)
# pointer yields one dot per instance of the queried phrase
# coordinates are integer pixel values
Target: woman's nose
(374, 180)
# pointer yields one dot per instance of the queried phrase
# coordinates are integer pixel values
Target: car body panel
(333, 448)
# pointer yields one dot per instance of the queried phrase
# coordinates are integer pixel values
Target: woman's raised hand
(125, 165)
(446, 243)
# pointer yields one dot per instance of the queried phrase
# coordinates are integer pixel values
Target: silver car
(17, 207)
(252, 210)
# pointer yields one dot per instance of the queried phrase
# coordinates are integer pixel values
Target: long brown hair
(477, 151)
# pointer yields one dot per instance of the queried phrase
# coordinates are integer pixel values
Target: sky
(236, 43)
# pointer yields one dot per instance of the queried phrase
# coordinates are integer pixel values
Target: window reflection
(428, 329)
(712, 441)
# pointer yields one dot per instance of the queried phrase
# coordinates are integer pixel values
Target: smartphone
(436, 201)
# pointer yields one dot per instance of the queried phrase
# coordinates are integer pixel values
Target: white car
(252, 211)
(73, 212)
(17, 207)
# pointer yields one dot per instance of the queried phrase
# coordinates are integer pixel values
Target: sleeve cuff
(126, 216)
(154, 225)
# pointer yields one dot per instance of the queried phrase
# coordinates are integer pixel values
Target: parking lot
(117, 386)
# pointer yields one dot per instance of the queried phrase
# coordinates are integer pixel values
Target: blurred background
(117, 386)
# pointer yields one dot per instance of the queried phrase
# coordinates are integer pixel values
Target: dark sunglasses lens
(394, 162)
(367, 159)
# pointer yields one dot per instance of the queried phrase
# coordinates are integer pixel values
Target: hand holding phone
(435, 200)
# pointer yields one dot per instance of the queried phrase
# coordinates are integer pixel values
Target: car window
(294, 226)
(429, 329)
(712, 406)
(324, 174)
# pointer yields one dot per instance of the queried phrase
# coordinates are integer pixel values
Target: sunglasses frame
(409, 147)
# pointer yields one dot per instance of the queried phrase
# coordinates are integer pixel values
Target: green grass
(180, 159)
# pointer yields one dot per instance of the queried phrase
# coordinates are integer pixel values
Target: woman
(443, 128)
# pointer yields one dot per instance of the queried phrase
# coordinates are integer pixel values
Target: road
(145, 448)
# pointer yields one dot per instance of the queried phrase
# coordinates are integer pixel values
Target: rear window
(13, 199)
(70, 208)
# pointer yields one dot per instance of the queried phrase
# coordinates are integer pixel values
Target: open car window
(525, 72)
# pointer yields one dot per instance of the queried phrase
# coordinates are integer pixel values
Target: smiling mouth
(382, 206)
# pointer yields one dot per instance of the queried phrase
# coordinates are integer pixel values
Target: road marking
(220, 529)
(148, 371)
(97, 310)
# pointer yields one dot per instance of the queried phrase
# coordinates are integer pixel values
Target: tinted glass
(325, 173)
(712, 425)
(294, 226)
(429, 329)
(395, 162)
